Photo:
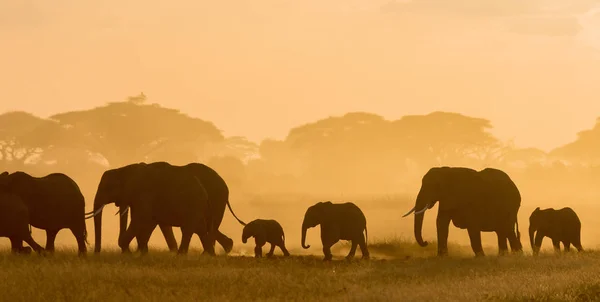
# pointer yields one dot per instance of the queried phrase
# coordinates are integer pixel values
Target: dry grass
(400, 271)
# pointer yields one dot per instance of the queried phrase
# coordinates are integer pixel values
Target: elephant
(54, 202)
(156, 195)
(479, 201)
(263, 231)
(14, 224)
(561, 225)
(218, 198)
(339, 221)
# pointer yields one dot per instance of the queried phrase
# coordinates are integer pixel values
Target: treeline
(358, 153)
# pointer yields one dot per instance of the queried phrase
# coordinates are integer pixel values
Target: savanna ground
(399, 270)
(412, 275)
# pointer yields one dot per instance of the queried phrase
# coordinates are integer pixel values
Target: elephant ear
(537, 209)
(322, 210)
(459, 187)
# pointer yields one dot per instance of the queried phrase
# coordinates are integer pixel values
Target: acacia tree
(445, 138)
(363, 151)
(131, 131)
(26, 140)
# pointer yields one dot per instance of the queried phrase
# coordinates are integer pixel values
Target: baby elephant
(339, 221)
(560, 225)
(264, 231)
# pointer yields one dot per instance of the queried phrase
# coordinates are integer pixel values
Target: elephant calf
(339, 221)
(14, 224)
(560, 225)
(264, 231)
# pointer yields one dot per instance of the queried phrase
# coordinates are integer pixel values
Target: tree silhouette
(444, 138)
(125, 132)
(364, 151)
(585, 149)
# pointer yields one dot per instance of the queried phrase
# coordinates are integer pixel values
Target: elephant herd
(193, 197)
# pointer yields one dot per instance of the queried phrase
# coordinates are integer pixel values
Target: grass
(399, 271)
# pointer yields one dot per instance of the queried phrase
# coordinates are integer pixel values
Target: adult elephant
(54, 203)
(218, 199)
(479, 201)
(155, 194)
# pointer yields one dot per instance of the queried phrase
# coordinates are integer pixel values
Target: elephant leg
(144, 236)
(167, 231)
(327, 252)
(577, 244)
(502, 243)
(186, 237)
(538, 242)
(363, 247)
(271, 251)
(208, 242)
(352, 250)
(567, 245)
(34, 245)
(329, 237)
(258, 248)
(475, 236)
(50, 238)
(80, 237)
(556, 245)
(126, 238)
(283, 249)
(515, 244)
(442, 223)
(224, 241)
(16, 245)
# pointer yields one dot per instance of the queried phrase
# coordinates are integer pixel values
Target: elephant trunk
(418, 229)
(420, 206)
(304, 228)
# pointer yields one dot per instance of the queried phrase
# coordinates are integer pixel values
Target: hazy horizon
(259, 69)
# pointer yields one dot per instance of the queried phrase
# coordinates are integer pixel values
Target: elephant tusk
(123, 212)
(412, 210)
(96, 212)
(423, 210)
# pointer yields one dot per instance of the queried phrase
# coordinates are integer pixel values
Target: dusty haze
(260, 68)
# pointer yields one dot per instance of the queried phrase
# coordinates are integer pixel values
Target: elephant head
(314, 216)
(535, 223)
(251, 229)
(452, 187)
(112, 189)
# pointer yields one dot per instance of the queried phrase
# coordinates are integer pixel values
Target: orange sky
(257, 68)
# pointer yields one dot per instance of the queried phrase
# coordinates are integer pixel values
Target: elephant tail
(232, 213)
(85, 235)
(517, 230)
